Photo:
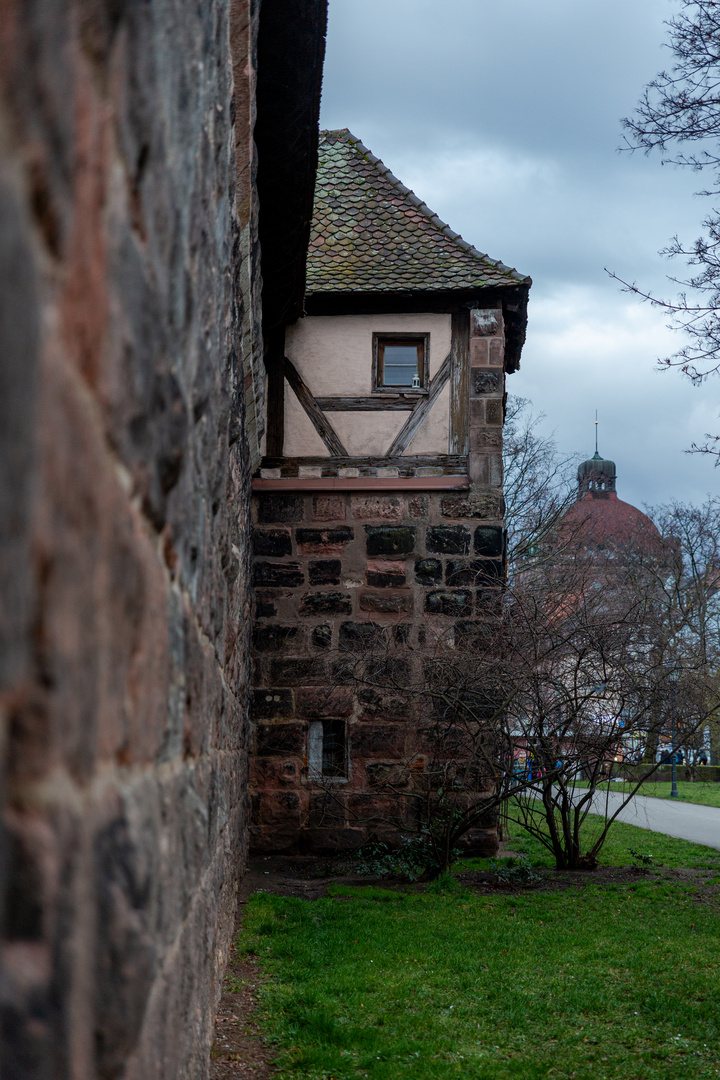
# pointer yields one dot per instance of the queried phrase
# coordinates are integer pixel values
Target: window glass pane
(333, 748)
(400, 364)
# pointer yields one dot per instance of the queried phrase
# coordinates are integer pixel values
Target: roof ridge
(346, 135)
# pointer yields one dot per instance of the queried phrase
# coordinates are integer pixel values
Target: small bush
(514, 872)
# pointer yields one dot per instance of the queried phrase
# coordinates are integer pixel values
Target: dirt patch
(310, 878)
(238, 1050)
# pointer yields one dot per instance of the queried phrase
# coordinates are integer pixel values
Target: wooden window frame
(422, 341)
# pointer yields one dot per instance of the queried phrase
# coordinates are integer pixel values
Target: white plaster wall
(301, 438)
(333, 353)
(432, 437)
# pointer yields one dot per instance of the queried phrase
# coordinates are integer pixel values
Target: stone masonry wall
(330, 570)
(123, 489)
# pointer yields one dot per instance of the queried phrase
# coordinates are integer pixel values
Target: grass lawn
(699, 792)
(604, 981)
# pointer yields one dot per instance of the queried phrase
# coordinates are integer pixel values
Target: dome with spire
(598, 519)
(596, 474)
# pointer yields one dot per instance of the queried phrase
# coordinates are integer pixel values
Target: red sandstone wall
(123, 487)
(332, 569)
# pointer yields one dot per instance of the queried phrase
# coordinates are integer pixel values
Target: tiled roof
(372, 234)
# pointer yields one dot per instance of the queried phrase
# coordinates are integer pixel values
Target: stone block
(280, 508)
(321, 636)
(479, 352)
(265, 607)
(280, 740)
(329, 507)
(377, 507)
(323, 541)
(446, 602)
(428, 571)
(388, 776)
(317, 703)
(277, 808)
(326, 603)
(494, 413)
(296, 670)
(360, 636)
(273, 542)
(486, 322)
(448, 539)
(487, 505)
(486, 382)
(488, 541)
(268, 704)
(488, 601)
(377, 740)
(460, 572)
(390, 540)
(418, 507)
(270, 772)
(385, 574)
(385, 603)
(496, 352)
(326, 810)
(278, 575)
(275, 638)
(325, 572)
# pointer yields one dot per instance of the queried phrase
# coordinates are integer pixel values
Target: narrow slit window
(327, 749)
(400, 361)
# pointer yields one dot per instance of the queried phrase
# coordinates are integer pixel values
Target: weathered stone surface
(322, 636)
(476, 572)
(297, 670)
(428, 571)
(384, 575)
(385, 603)
(280, 739)
(390, 540)
(377, 740)
(326, 603)
(488, 540)
(477, 504)
(446, 602)
(124, 529)
(268, 704)
(329, 508)
(320, 702)
(325, 572)
(279, 575)
(486, 382)
(448, 539)
(377, 507)
(323, 541)
(359, 637)
(275, 637)
(280, 508)
(273, 542)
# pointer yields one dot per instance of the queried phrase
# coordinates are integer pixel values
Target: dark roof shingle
(371, 234)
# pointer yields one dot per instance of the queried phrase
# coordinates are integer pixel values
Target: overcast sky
(505, 118)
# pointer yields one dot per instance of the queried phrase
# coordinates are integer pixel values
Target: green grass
(666, 851)
(700, 793)
(614, 981)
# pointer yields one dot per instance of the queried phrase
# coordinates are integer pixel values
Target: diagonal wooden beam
(423, 407)
(317, 417)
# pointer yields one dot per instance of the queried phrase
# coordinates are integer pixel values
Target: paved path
(701, 824)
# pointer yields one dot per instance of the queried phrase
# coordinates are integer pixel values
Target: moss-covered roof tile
(370, 233)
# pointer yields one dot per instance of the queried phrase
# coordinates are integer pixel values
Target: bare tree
(680, 110)
(531, 710)
(539, 482)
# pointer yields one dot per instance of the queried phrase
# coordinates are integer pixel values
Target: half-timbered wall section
(378, 507)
